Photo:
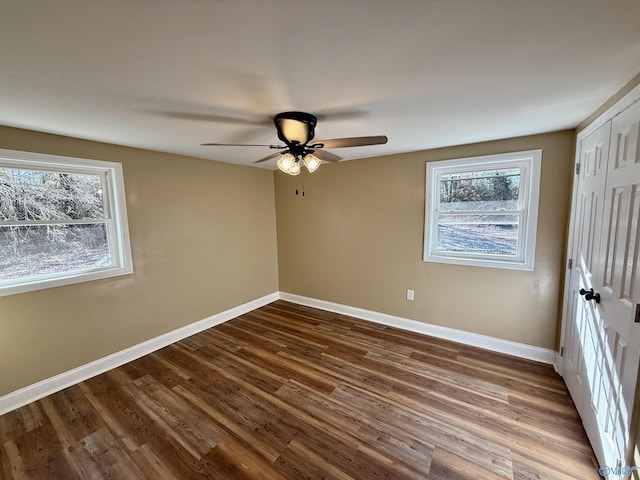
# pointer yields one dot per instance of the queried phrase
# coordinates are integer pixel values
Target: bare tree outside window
(57, 223)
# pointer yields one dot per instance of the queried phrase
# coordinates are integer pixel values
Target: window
(483, 210)
(62, 220)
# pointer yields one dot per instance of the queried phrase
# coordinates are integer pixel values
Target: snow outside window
(483, 211)
(62, 220)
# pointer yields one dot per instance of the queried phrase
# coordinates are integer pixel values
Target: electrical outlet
(409, 294)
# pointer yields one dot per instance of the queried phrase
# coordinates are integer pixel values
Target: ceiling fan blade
(275, 147)
(326, 156)
(336, 114)
(353, 141)
(269, 157)
(207, 117)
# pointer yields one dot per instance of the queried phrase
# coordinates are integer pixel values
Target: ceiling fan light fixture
(295, 168)
(311, 162)
(286, 162)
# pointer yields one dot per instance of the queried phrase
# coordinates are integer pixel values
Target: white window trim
(115, 203)
(530, 164)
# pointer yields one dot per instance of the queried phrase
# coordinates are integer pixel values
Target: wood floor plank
(33, 455)
(480, 448)
(12, 463)
(504, 432)
(98, 456)
(397, 442)
(175, 416)
(250, 465)
(287, 370)
(291, 392)
(151, 464)
(447, 465)
(301, 462)
(20, 421)
(72, 415)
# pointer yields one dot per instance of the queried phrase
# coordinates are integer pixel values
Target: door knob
(590, 295)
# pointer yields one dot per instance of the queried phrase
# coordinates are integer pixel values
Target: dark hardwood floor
(293, 392)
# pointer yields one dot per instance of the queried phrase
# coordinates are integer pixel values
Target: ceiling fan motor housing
(295, 128)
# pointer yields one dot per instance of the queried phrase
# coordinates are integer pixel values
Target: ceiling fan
(296, 130)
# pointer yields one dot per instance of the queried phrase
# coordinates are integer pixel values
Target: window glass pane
(485, 234)
(27, 195)
(482, 190)
(39, 250)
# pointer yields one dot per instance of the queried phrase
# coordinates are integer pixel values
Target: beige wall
(356, 238)
(203, 240)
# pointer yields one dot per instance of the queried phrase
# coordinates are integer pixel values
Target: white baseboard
(529, 352)
(66, 379)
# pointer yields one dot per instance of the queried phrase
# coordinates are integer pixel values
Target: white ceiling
(169, 75)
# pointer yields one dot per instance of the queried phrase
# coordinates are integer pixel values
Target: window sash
(104, 185)
(52, 223)
(468, 213)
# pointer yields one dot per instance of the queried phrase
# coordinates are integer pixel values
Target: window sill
(59, 281)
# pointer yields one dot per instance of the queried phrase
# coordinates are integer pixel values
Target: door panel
(617, 263)
(581, 371)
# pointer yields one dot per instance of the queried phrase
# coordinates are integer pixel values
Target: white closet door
(602, 339)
